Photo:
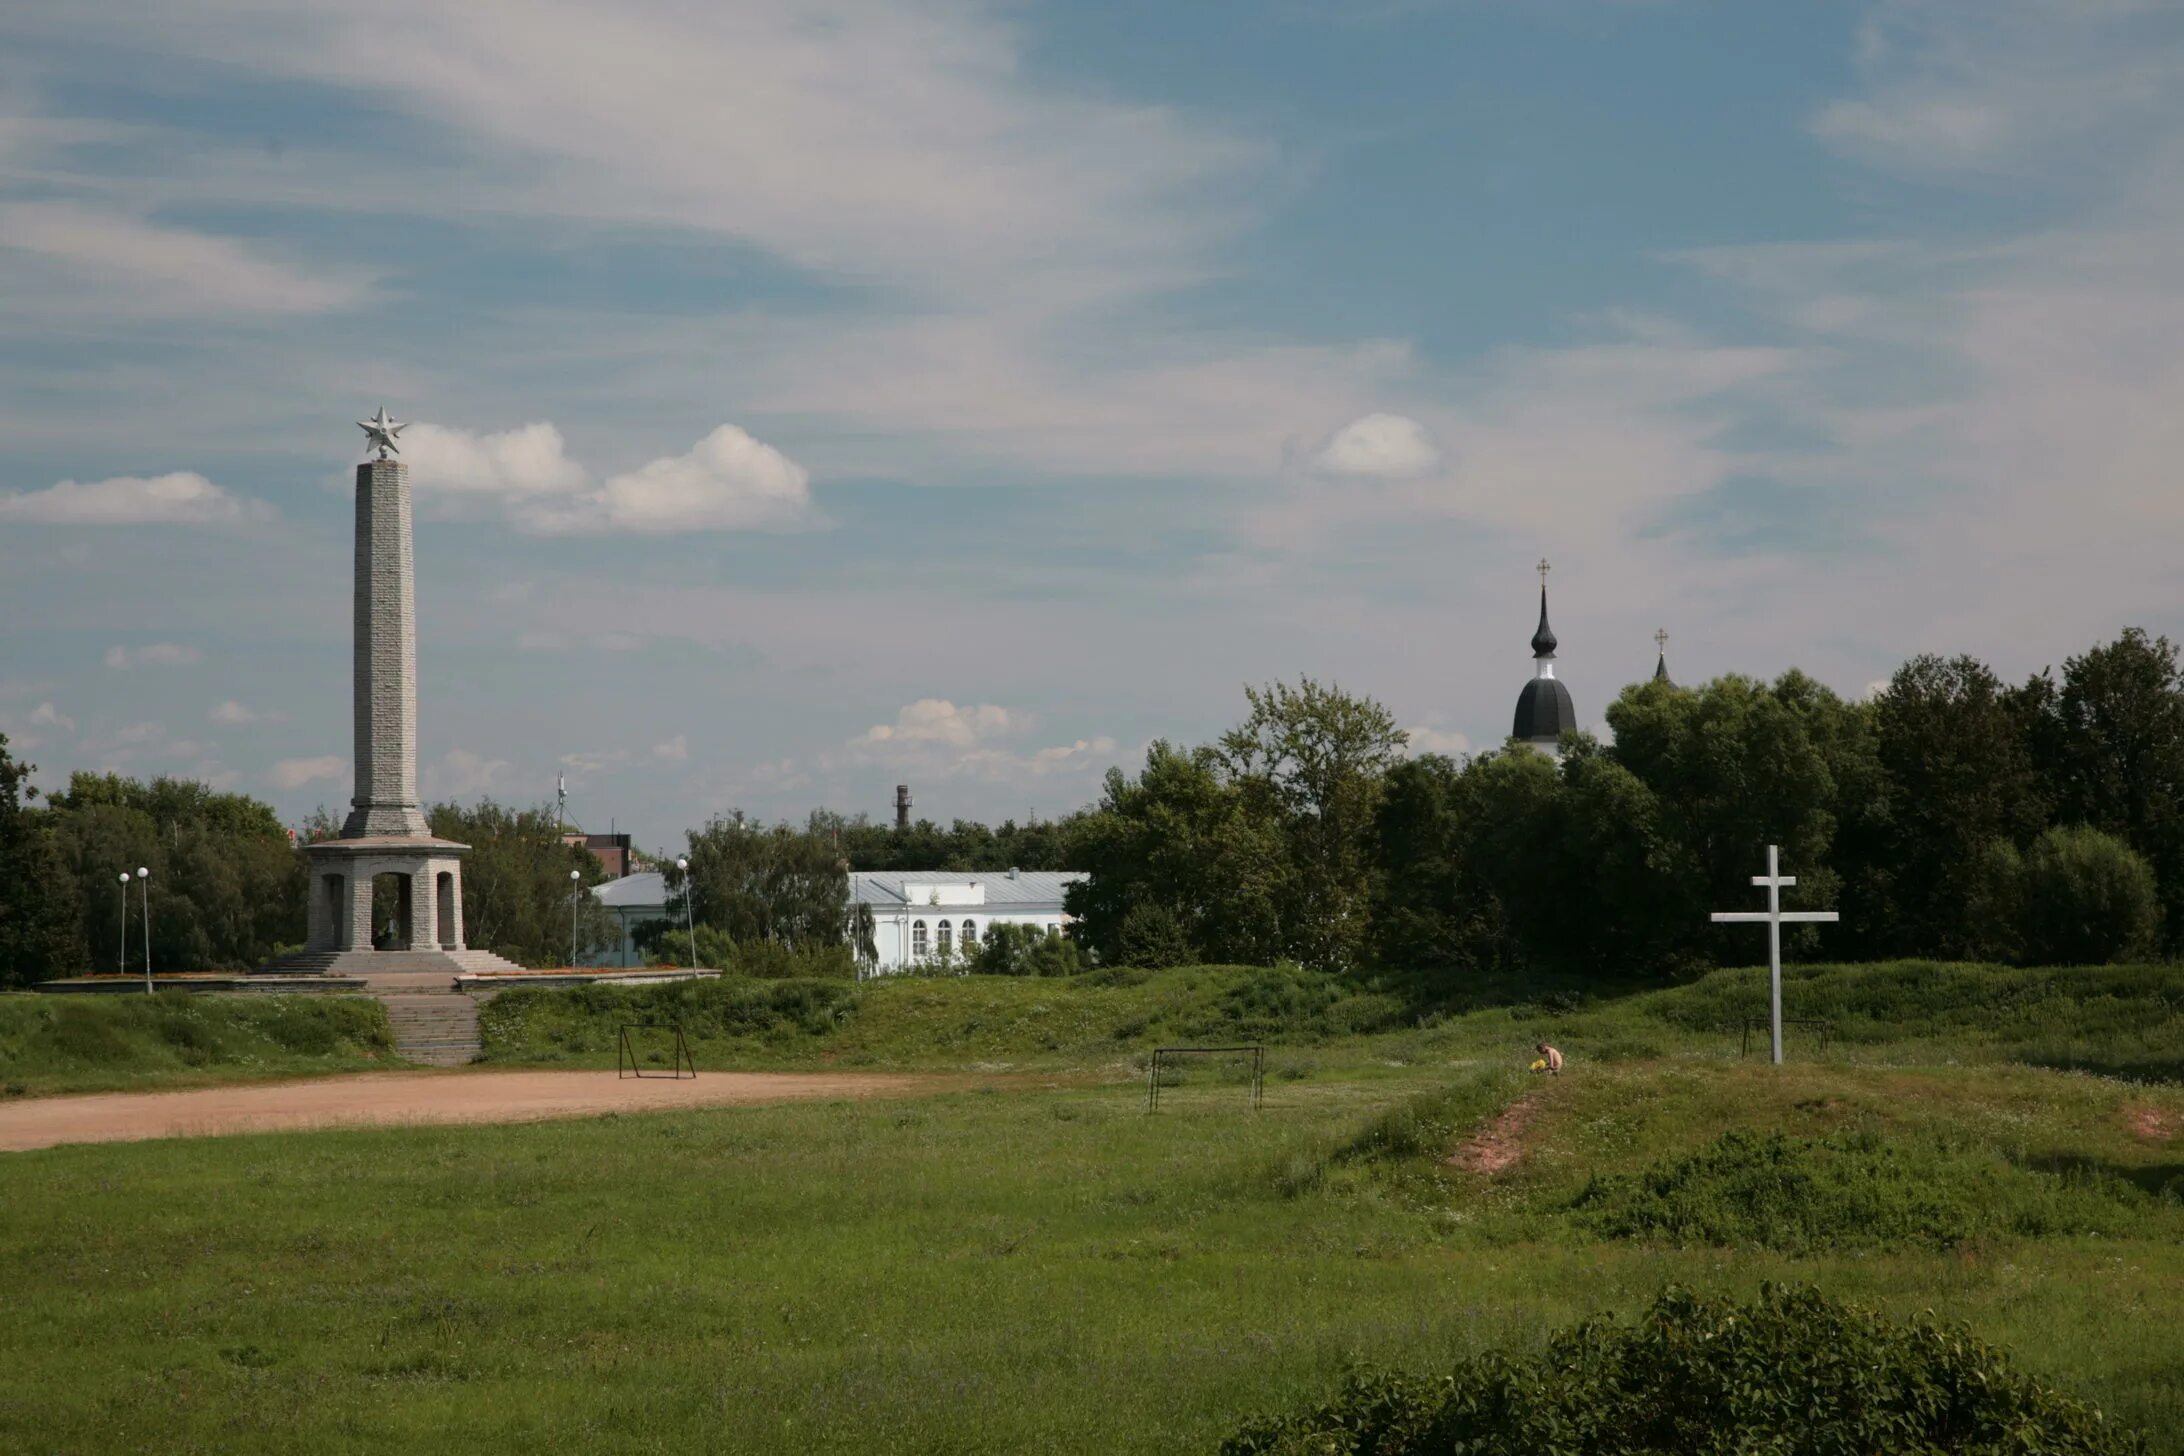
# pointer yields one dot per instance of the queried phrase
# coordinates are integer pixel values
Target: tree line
(1950, 814)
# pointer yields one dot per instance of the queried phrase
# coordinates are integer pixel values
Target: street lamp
(690, 917)
(121, 965)
(574, 877)
(144, 878)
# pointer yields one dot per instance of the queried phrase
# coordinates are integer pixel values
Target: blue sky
(815, 396)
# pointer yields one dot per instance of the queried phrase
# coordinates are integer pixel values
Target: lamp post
(690, 917)
(574, 877)
(121, 963)
(144, 878)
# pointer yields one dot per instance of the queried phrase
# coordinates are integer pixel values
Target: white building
(924, 915)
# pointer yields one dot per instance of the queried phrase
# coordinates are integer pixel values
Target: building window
(917, 940)
(970, 936)
(946, 943)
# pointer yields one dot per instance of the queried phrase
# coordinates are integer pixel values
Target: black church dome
(1544, 710)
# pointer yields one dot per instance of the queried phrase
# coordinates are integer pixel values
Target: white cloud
(675, 750)
(528, 461)
(182, 498)
(1385, 446)
(294, 773)
(462, 774)
(127, 264)
(153, 654)
(936, 720)
(45, 715)
(232, 713)
(728, 481)
(1437, 740)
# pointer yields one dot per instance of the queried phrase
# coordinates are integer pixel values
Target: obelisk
(385, 705)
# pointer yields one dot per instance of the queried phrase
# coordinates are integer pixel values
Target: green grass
(54, 1044)
(2120, 1020)
(1048, 1270)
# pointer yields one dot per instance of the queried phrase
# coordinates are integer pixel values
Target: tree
(1732, 767)
(517, 895)
(40, 909)
(2115, 754)
(1181, 836)
(1955, 748)
(1319, 757)
(226, 885)
(759, 883)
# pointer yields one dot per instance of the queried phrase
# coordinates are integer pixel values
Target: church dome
(1544, 711)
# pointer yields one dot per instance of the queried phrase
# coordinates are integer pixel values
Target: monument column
(385, 703)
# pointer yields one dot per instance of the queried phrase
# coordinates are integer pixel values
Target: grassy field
(2125, 1021)
(1052, 1269)
(52, 1044)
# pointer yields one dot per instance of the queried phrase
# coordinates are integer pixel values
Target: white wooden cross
(1774, 916)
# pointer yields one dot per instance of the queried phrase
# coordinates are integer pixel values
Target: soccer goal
(627, 1064)
(1180, 1066)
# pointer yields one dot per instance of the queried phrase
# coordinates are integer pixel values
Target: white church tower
(1544, 709)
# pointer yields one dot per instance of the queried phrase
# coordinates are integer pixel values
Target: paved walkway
(416, 1098)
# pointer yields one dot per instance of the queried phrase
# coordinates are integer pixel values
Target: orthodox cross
(1660, 640)
(1544, 568)
(379, 432)
(1774, 917)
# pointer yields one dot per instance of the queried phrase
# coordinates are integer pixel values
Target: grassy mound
(954, 1020)
(581, 1023)
(92, 1043)
(1849, 1190)
(1792, 1373)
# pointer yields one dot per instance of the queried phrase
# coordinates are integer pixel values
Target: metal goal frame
(1258, 1070)
(625, 1056)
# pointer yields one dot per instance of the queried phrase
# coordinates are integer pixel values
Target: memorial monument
(385, 840)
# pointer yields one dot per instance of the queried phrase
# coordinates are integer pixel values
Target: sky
(810, 396)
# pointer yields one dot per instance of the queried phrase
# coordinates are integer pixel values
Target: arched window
(946, 942)
(970, 936)
(917, 940)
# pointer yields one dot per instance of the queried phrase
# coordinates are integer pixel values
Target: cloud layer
(183, 498)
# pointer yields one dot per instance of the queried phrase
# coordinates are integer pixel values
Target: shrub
(1792, 1373)
(1014, 949)
(2085, 898)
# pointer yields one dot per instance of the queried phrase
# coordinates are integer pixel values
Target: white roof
(1029, 890)
(634, 892)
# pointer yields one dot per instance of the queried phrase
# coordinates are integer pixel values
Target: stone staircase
(437, 1028)
(375, 964)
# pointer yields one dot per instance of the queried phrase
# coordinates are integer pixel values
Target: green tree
(1318, 758)
(767, 883)
(1732, 767)
(1182, 836)
(517, 895)
(226, 884)
(2115, 754)
(41, 911)
(1955, 746)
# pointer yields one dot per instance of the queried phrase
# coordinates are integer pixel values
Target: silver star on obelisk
(379, 432)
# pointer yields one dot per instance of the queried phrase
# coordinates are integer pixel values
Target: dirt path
(1499, 1143)
(416, 1098)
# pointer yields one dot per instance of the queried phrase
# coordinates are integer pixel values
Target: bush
(1848, 1190)
(2085, 898)
(1792, 1373)
(1013, 949)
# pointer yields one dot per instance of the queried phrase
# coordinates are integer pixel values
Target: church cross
(1660, 640)
(1774, 917)
(1544, 568)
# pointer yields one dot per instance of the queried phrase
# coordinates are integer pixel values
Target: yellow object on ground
(1539, 1064)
